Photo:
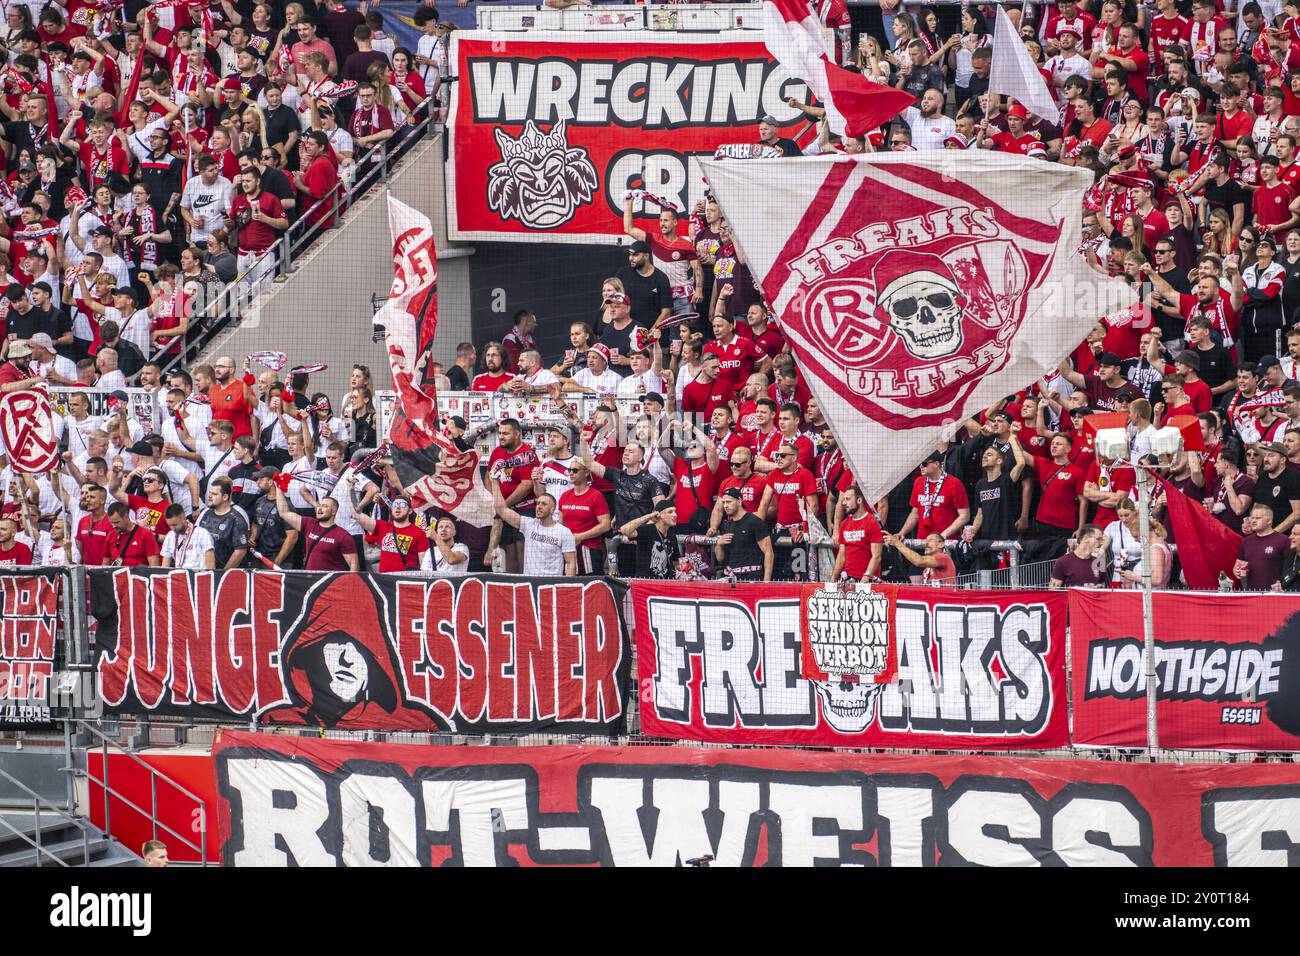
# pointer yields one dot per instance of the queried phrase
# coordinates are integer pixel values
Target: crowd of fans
(1189, 122)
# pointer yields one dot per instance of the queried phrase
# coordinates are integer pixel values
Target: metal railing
(39, 802)
(277, 262)
(201, 848)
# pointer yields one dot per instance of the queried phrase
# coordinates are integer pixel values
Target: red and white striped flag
(854, 105)
(915, 290)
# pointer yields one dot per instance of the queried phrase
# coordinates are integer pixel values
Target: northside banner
(295, 801)
(549, 129)
(1227, 670)
(29, 652)
(487, 654)
(977, 670)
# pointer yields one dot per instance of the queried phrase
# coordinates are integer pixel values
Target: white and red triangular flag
(1013, 71)
(854, 105)
(915, 291)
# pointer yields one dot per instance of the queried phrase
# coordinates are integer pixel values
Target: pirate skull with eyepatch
(919, 298)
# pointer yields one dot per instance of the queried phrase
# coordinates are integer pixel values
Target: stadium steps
(60, 837)
(321, 312)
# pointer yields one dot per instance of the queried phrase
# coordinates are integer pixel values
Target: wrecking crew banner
(1227, 670)
(549, 130)
(28, 646)
(977, 670)
(487, 654)
(295, 801)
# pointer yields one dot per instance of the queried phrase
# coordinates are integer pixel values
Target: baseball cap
(18, 348)
(141, 448)
(1273, 446)
(732, 493)
(1266, 362)
(639, 246)
(457, 421)
(126, 291)
(1006, 417)
(652, 397)
(1127, 395)
(1108, 358)
(1189, 358)
(601, 350)
(27, 168)
(120, 395)
(43, 340)
(1019, 111)
(933, 456)
(101, 231)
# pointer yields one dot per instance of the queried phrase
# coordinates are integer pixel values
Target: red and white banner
(916, 288)
(977, 670)
(549, 130)
(1227, 670)
(299, 801)
(29, 646)
(434, 471)
(27, 429)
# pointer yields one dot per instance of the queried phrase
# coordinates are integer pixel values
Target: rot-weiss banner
(363, 652)
(29, 628)
(310, 802)
(1227, 670)
(549, 130)
(977, 670)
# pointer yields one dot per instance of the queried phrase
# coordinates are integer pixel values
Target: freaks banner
(28, 645)
(549, 130)
(1227, 670)
(363, 652)
(978, 670)
(295, 801)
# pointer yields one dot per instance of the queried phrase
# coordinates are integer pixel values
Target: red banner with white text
(1227, 670)
(285, 801)
(549, 130)
(977, 670)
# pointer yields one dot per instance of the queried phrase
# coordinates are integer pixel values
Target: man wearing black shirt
(1171, 326)
(636, 492)
(282, 127)
(129, 359)
(1278, 487)
(997, 500)
(744, 542)
(1216, 368)
(769, 135)
(461, 372)
(647, 287)
(243, 477)
(22, 133)
(271, 537)
(656, 542)
(1224, 191)
(25, 319)
(617, 333)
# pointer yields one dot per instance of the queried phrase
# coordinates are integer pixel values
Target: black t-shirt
(1277, 493)
(271, 530)
(633, 494)
(649, 295)
(1227, 195)
(458, 379)
(788, 147)
(1216, 366)
(26, 324)
(620, 339)
(744, 554)
(244, 480)
(280, 123)
(275, 182)
(999, 502)
(656, 553)
(229, 532)
(22, 135)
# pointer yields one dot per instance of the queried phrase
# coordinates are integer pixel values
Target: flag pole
(1148, 618)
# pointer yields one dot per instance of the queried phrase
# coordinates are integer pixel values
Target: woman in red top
(408, 83)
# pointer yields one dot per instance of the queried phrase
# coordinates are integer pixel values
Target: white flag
(916, 289)
(1013, 72)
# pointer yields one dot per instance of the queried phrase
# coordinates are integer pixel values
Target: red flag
(1206, 546)
(854, 105)
(132, 88)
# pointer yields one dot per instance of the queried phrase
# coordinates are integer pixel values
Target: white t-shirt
(555, 476)
(928, 132)
(139, 141)
(545, 547)
(212, 202)
(58, 365)
(116, 265)
(347, 518)
(434, 561)
(606, 383)
(111, 380)
(135, 328)
(295, 467)
(188, 552)
(653, 383)
(427, 47)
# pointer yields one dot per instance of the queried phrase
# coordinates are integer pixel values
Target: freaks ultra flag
(432, 469)
(854, 105)
(916, 289)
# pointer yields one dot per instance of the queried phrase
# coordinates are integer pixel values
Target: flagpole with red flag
(1206, 546)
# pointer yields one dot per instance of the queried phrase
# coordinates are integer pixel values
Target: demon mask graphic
(540, 181)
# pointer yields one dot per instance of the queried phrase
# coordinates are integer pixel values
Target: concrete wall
(323, 312)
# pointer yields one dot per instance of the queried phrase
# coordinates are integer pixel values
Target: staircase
(57, 838)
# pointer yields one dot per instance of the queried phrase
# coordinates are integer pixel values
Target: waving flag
(1013, 71)
(1206, 546)
(915, 289)
(272, 360)
(27, 429)
(433, 470)
(854, 105)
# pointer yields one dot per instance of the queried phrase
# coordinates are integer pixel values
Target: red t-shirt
(770, 343)
(92, 539)
(1137, 77)
(726, 446)
(512, 468)
(400, 549)
(735, 361)
(791, 491)
(1271, 205)
(937, 503)
(484, 382)
(582, 511)
(9, 372)
(326, 548)
(230, 404)
(1059, 490)
(1199, 394)
(799, 395)
(1235, 126)
(1110, 481)
(1221, 315)
(99, 166)
(17, 555)
(804, 446)
(135, 548)
(692, 482)
(1166, 31)
(149, 513)
(764, 444)
(858, 535)
(1006, 143)
(702, 398)
(257, 236)
(751, 490)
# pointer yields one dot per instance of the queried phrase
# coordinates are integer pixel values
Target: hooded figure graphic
(339, 666)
